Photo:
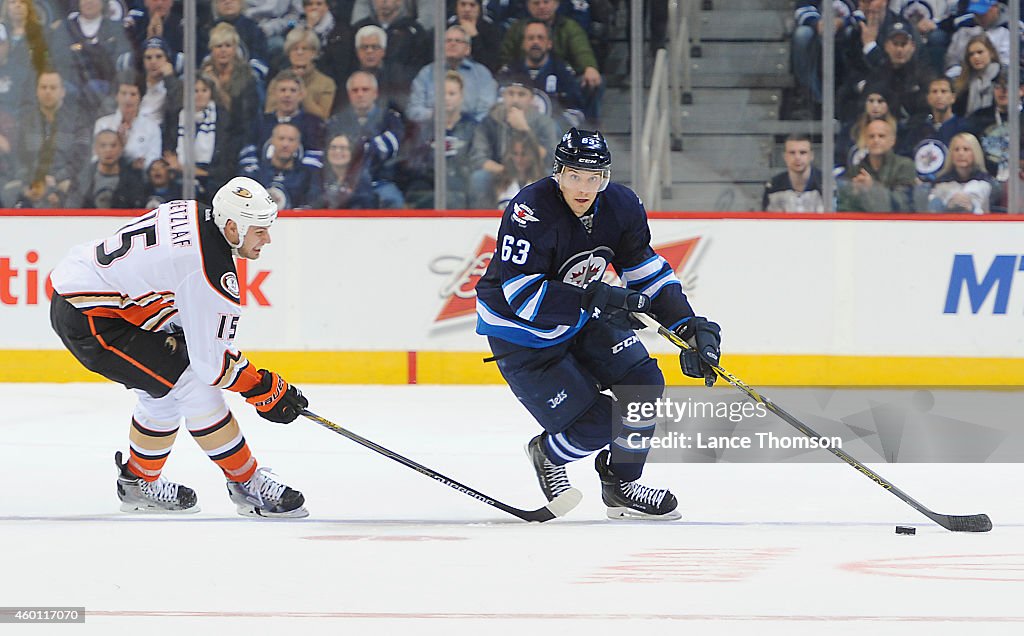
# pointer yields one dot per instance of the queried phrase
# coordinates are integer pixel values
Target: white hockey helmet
(246, 202)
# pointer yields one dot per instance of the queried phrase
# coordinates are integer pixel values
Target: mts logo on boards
(979, 285)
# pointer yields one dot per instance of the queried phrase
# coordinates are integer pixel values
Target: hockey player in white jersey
(156, 307)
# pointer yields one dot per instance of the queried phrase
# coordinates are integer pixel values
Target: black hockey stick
(558, 507)
(956, 523)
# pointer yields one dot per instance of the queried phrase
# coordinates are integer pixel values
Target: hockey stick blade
(954, 523)
(558, 507)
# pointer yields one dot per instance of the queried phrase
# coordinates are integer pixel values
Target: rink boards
(803, 300)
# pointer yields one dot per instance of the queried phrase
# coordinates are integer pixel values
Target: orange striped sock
(224, 444)
(149, 450)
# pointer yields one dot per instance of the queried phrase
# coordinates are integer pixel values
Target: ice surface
(763, 549)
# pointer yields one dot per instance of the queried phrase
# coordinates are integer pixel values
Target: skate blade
(565, 502)
(628, 514)
(153, 510)
(253, 511)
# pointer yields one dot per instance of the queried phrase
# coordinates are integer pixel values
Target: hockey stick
(955, 523)
(558, 507)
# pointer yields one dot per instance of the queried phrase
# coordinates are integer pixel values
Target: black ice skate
(264, 496)
(160, 496)
(553, 479)
(629, 500)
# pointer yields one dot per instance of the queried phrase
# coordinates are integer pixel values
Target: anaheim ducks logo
(229, 282)
(242, 192)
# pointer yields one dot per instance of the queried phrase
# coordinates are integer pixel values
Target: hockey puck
(905, 530)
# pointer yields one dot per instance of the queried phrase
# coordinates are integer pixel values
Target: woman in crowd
(964, 185)
(302, 48)
(523, 165)
(233, 80)
(346, 177)
(973, 87)
(850, 143)
(216, 142)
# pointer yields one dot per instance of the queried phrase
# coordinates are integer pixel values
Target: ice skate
(160, 496)
(553, 479)
(629, 500)
(264, 496)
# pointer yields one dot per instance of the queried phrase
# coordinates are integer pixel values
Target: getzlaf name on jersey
(531, 294)
(170, 270)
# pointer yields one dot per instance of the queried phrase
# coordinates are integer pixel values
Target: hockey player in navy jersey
(560, 335)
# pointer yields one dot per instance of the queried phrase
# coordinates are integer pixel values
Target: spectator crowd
(328, 103)
(922, 101)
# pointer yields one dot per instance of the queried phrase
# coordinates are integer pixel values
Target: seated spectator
(406, 39)
(481, 31)
(289, 92)
(861, 43)
(986, 17)
(161, 98)
(805, 58)
(275, 18)
(292, 183)
(798, 189)
(393, 75)
(140, 136)
(345, 180)
(162, 184)
(479, 88)
(901, 72)
(23, 53)
(850, 147)
(252, 39)
(963, 185)
(515, 112)
(933, 21)
(883, 181)
(522, 165)
(594, 16)
(418, 162)
(87, 47)
(235, 81)
(991, 127)
(53, 142)
(974, 84)
(109, 180)
(550, 74)
(335, 36)
(156, 19)
(302, 47)
(215, 146)
(378, 129)
(927, 136)
(570, 43)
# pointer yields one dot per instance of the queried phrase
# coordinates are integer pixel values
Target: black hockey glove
(602, 297)
(706, 338)
(275, 399)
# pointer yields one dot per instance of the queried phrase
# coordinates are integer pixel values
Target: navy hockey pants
(561, 387)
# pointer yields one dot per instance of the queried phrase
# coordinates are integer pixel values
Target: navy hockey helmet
(584, 150)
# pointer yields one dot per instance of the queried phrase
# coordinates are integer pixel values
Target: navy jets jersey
(532, 292)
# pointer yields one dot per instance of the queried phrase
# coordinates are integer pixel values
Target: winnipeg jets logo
(929, 157)
(585, 271)
(522, 214)
(558, 399)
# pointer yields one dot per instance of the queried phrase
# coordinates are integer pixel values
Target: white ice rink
(763, 549)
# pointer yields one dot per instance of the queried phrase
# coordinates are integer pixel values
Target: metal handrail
(654, 137)
(663, 121)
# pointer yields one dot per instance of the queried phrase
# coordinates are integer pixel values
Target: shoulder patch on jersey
(218, 264)
(230, 284)
(523, 214)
